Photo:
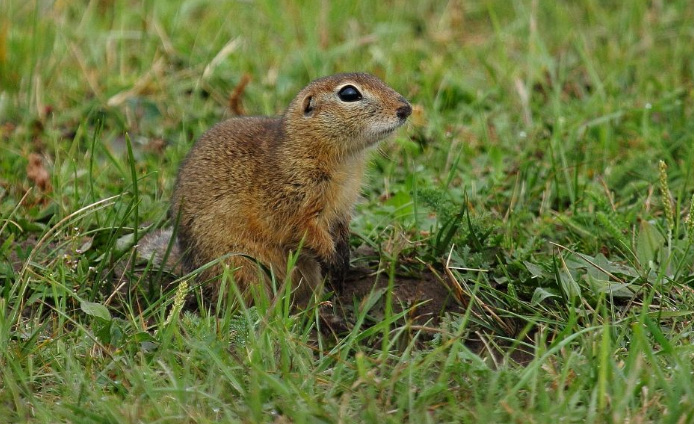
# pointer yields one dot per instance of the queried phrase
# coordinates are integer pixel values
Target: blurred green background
(533, 154)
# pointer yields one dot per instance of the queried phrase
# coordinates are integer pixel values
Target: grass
(534, 156)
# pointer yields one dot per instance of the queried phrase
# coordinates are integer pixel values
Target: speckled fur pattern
(261, 186)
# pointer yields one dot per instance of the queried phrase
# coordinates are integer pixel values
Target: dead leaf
(235, 98)
(7, 129)
(37, 173)
(419, 118)
(156, 145)
(4, 29)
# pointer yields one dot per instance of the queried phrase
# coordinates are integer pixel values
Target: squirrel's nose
(404, 111)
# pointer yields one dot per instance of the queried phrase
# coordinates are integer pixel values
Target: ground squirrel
(258, 186)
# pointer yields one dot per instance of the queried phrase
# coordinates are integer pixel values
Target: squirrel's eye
(349, 94)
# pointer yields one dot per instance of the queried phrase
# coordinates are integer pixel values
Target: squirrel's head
(346, 113)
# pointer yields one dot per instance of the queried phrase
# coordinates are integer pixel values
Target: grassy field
(546, 178)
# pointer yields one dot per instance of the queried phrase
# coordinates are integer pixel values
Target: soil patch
(427, 296)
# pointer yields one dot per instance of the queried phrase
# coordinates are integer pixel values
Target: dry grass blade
(585, 258)
(104, 203)
(221, 56)
(140, 86)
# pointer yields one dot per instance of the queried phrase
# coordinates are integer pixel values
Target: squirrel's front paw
(338, 266)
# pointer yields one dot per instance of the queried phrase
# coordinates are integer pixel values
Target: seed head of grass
(179, 299)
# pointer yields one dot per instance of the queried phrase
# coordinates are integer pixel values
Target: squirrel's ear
(309, 105)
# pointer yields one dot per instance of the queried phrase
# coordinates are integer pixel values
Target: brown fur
(258, 186)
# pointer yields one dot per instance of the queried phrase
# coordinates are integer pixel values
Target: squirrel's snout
(404, 111)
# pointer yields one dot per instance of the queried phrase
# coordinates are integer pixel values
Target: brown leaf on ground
(4, 29)
(236, 96)
(37, 173)
(156, 145)
(419, 118)
(6, 130)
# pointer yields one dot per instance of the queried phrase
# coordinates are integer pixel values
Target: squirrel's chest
(340, 194)
(321, 196)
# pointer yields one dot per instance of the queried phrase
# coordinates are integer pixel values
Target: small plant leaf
(541, 294)
(96, 310)
(566, 281)
(535, 270)
(649, 242)
(617, 290)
